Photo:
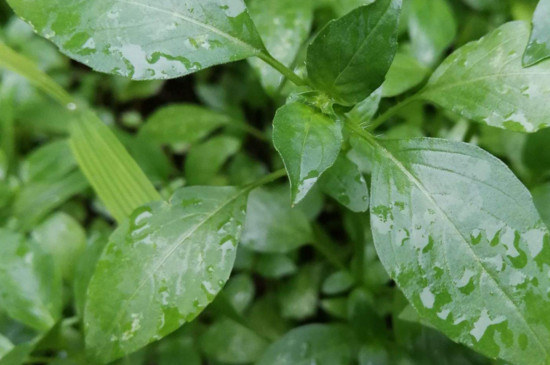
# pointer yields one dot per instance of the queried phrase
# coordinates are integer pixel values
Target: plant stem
(267, 179)
(285, 71)
(390, 112)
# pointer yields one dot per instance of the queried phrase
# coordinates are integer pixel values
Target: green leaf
(298, 297)
(240, 291)
(36, 200)
(432, 28)
(274, 266)
(404, 74)
(271, 225)
(31, 285)
(541, 198)
(461, 237)
(85, 266)
(229, 342)
(115, 176)
(338, 282)
(185, 249)
(312, 344)
(350, 57)
(48, 163)
(64, 238)
(345, 183)
(363, 112)
(205, 160)
(485, 81)
(538, 48)
(146, 39)
(172, 350)
(182, 124)
(284, 26)
(308, 142)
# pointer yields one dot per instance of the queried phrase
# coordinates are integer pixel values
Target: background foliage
(121, 240)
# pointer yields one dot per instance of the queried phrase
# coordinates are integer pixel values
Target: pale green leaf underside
(145, 39)
(161, 268)
(308, 142)
(538, 48)
(485, 81)
(462, 238)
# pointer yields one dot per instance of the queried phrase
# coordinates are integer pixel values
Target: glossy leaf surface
(146, 39)
(31, 285)
(485, 81)
(284, 26)
(538, 48)
(308, 142)
(185, 250)
(462, 238)
(432, 29)
(345, 183)
(350, 57)
(323, 344)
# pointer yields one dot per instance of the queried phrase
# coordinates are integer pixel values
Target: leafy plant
(140, 222)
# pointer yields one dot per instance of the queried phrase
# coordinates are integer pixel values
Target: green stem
(267, 179)
(285, 71)
(391, 112)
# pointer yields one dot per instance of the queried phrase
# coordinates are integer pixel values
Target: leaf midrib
(426, 193)
(197, 23)
(173, 249)
(365, 41)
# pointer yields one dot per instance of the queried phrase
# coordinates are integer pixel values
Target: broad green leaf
(318, 344)
(240, 291)
(350, 57)
(228, 342)
(99, 237)
(265, 318)
(275, 266)
(538, 48)
(5, 346)
(432, 29)
(461, 237)
(485, 81)
(185, 249)
(308, 142)
(204, 161)
(338, 282)
(64, 238)
(344, 182)
(31, 285)
(342, 7)
(298, 297)
(114, 175)
(284, 26)
(404, 74)
(48, 163)
(36, 200)
(182, 124)
(271, 225)
(363, 112)
(146, 39)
